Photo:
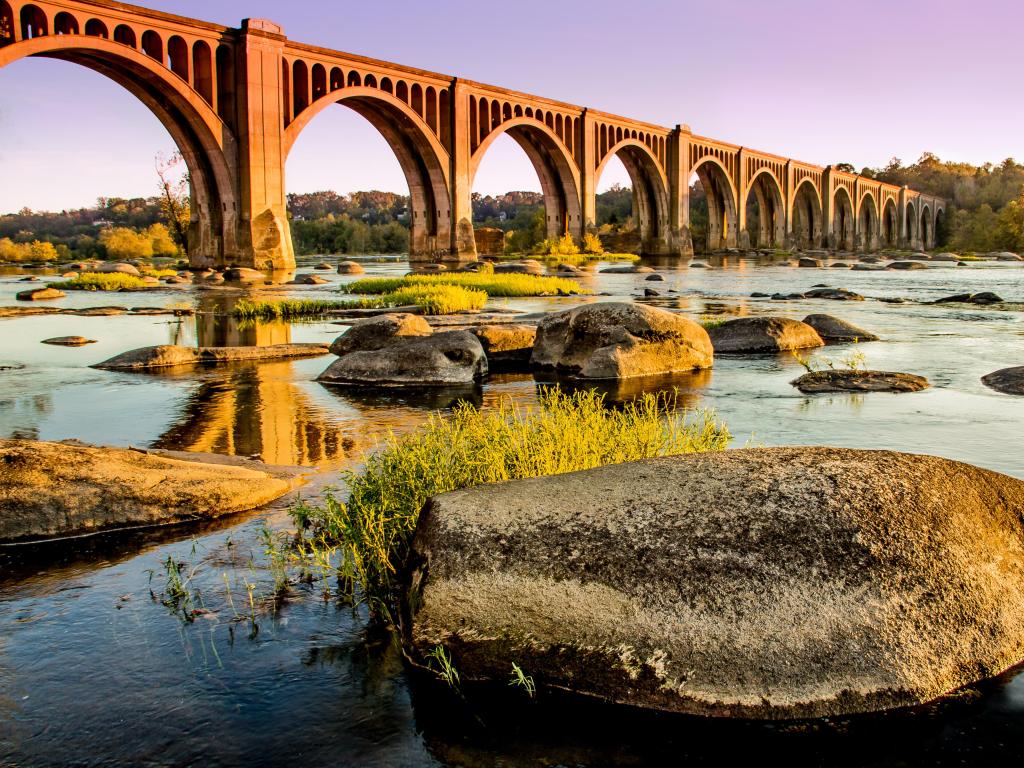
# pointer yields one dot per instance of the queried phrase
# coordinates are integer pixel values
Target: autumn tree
(175, 200)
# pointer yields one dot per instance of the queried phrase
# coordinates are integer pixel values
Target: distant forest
(986, 214)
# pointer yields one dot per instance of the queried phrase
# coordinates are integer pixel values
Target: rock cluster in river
(755, 583)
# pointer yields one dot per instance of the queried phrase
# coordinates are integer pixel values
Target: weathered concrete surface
(859, 381)
(58, 489)
(377, 332)
(615, 340)
(166, 355)
(444, 359)
(756, 583)
(1009, 381)
(763, 334)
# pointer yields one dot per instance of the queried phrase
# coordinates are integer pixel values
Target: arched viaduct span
(236, 100)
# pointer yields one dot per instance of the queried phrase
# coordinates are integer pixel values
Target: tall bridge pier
(235, 100)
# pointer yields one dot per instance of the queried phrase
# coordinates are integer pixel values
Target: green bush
(492, 285)
(563, 246)
(592, 244)
(437, 299)
(567, 432)
(96, 281)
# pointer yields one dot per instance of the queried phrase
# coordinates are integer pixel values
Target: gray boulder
(614, 340)
(764, 334)
(809, 262)
(757, 583)
(444, 359)
(833, 329)
(120, 267)
(906, 265)
(525, 267)
(1009, 381)
(350, 268)
(378, 332)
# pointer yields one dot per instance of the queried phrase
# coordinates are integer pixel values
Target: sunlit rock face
(755, 583)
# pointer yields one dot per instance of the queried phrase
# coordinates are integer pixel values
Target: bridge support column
(463, 243)
(263, 240)
(678, 169)
(828, 237)
(587, 159)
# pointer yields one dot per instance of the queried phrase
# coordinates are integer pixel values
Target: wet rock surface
(756, 583)
(168, 355)
(615, 340)
(508, 346)
(859, 381)
(831, 328)
(56, 489)
(378, 332)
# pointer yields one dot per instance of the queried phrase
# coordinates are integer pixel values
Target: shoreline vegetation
(369, 533)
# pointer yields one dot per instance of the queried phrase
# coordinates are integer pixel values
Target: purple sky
(817, 80)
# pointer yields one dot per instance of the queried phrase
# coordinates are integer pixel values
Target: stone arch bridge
(236, 100)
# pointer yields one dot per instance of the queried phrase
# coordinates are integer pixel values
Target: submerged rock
(350, 268)
(378, 332)
(859, 381)
(69, 341)
(833, 329)
(833, 294)
(906, 265)
(615, 340)
(40, 294)
(763, 334)
(168, 355)
(985, 297)
(243, 275)
(56, 489)
(443, 359)
(755, 583)
(1009, 381)
(809, 262)
(508, 347)
(526, 267)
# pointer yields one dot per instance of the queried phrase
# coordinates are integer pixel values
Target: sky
(820, 81)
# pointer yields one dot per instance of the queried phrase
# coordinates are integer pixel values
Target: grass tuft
(566, 433)
(288, 309)
(103, 281)
(437, 299)
(493, 285)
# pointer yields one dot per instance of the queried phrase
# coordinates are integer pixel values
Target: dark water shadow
(496, 725)
(422, 398)
(686, 387)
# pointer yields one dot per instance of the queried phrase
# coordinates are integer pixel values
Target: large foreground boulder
(169, 355)
(615, 340)
(451, 358)
(763, 334)
(58, 489)
(378, 332)
(755, 583)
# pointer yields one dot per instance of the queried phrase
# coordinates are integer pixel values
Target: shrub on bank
(566, 433)
(493, 285)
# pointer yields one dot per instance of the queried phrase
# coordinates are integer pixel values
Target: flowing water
(98, 666)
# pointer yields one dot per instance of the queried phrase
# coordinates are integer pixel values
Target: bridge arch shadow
(766, 212)
(807, 216)
(650, 192)
(721, 201)
(202, 137)
(557, 171)
(424, 161)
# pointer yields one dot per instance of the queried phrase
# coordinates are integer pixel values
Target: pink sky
(824, 82)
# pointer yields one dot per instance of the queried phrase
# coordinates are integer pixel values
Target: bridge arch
(843, 220)
(927, 228)
(771, 209)
(806, 215)
(889, 229)
(722, 205)
(557, 170)
(197, 131)
(867, 222)
(650, 191)
(424, 162)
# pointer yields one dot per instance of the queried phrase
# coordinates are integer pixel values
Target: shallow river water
(95, 668)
